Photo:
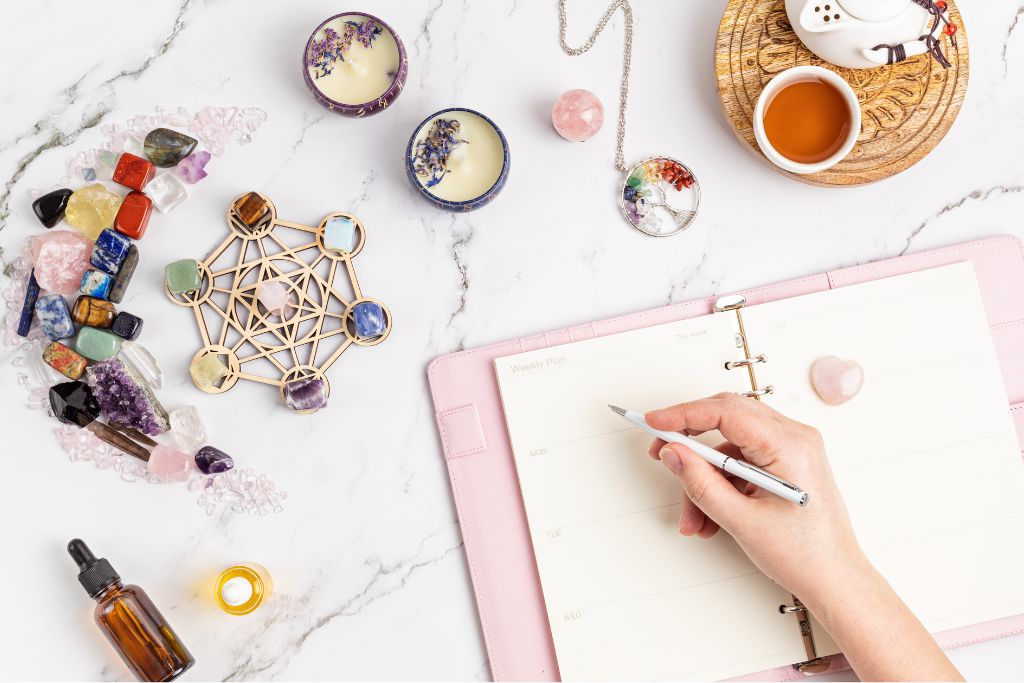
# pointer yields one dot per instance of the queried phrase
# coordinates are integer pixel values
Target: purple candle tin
(457, 159)
(355, 64)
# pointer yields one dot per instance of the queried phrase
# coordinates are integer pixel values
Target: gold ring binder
(734, 302)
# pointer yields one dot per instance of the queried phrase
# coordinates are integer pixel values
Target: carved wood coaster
(305, 339)
(907, 108)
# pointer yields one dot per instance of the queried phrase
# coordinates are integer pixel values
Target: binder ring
(745, 362)
(760, 392)
(790, 609)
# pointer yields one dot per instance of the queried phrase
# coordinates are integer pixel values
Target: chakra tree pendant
(660, 197)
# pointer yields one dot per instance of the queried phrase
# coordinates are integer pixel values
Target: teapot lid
(873, 10)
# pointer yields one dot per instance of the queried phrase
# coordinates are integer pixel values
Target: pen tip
(616, 409)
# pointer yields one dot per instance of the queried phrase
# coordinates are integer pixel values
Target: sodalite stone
(29, 305)
(110, 251)
(212, 460)
(96, 283)
(166, 147)
(306, 395)
(340, 234)
(369, 320)
(54, 317)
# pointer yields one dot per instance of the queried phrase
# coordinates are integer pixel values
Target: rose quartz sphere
(577, 115)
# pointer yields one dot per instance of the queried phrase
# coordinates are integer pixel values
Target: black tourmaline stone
(166, 147)
(73, 403)
(49, 208)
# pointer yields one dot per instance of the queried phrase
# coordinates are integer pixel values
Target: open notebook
(926, 457)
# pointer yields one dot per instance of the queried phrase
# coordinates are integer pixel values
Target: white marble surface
(370, 575)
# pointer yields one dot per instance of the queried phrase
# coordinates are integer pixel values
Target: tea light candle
(458, 159)
(243, 588)
(355, 64)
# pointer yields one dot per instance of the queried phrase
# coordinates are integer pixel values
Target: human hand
(808, 550)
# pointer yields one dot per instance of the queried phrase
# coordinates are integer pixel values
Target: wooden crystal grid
(256, 345)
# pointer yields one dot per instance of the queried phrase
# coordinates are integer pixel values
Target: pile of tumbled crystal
(126, 398)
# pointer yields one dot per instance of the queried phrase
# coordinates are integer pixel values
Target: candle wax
(474, 164)
(348, 71)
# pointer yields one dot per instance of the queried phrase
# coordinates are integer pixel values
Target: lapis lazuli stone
(340, 234)
(96, 283)
(29, 307)
(369, 320)
(212, 460)
(54, 317)
(110, 250)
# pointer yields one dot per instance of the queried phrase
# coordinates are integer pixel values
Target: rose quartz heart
(836, 380)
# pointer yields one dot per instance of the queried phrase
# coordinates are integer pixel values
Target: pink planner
(486, 489)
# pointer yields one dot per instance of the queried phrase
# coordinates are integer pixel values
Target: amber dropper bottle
(130, 620)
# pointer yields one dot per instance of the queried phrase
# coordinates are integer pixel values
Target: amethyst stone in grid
(306, 395)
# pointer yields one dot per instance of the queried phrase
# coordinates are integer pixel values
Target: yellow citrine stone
(206, 370)
(92, 209)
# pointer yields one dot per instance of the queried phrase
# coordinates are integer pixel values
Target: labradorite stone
(166, 147)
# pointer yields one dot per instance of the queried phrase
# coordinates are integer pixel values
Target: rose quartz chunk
(170, 463)
(275, 297)
(577, 115)
(60, 259)
(836, 380)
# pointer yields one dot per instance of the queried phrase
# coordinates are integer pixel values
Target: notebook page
(926, 454)
(627, 596)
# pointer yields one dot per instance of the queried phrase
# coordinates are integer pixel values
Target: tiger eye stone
(251, 208)
(64, 360)
(93, 312)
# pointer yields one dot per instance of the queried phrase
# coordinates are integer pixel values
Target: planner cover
(486, 489)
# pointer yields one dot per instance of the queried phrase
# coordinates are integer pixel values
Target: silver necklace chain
(627, 56)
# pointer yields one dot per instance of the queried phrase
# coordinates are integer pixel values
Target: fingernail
(671, 459)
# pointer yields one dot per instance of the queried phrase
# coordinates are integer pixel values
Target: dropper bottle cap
(95, 575)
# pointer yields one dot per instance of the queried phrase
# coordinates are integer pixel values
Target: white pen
(744, 470)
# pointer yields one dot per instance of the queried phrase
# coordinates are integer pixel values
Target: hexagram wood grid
(907, 108)
(255, 344)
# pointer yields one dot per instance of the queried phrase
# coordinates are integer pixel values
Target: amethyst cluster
(125, 398)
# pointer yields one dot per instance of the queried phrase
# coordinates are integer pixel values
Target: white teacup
(793, 75)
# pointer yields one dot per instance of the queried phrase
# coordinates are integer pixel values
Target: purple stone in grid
(306, 395)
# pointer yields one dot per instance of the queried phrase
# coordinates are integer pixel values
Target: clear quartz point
(142, 361)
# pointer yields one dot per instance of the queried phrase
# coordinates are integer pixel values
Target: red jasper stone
(133, 171)
(133, 216)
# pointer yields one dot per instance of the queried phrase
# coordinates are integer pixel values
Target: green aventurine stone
(633, 181)
(97, 345)
(182, 276)
(166, 147)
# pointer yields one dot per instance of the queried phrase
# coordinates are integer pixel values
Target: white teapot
(861, 34)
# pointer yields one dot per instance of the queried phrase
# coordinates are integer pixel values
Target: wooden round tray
(907, 108)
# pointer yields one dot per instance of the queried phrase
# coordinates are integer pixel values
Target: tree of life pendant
(660, 197)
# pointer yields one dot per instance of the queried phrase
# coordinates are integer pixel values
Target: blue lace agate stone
(110, 251)
(369, 320)
(340, 234)
(54, 317)
(96, 283)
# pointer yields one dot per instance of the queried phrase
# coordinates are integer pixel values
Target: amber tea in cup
(808, 120)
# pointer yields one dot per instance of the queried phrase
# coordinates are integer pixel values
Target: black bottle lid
(94, 575)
